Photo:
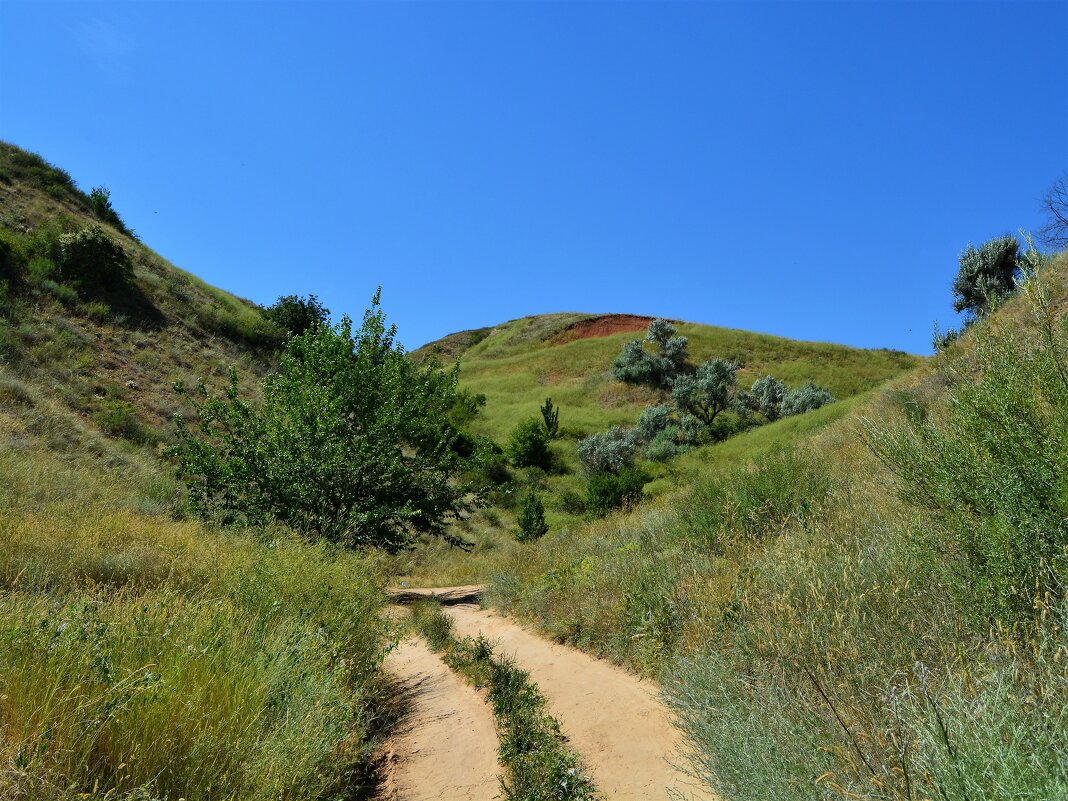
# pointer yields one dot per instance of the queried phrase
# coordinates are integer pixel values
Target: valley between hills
(264, 552)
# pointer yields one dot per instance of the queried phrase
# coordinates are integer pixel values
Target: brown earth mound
(604, 326)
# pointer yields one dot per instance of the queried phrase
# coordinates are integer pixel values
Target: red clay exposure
(603, 326)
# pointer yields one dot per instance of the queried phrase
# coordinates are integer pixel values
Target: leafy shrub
(12, 258)
(986, 275)
(665, 445)
(608, 491)
(635, 365)
(466, 407)
(653, 420)
(350, 444)
(807, 397)
(768, 394)
(296, 314)
(531, 519)
(572, 502)
(528, 445)
(608, 451)
(93, 261)
(941, 340)
(100, 203)
(995, 471)
(709, 392)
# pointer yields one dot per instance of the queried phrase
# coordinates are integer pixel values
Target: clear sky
(809, 169)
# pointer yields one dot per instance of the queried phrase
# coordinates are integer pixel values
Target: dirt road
(446, 746)
(613, 720)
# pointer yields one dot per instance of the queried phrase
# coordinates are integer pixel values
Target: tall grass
(827, 627)
(142, 656)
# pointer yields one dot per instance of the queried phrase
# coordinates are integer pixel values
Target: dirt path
(613, 720)
(446, 746)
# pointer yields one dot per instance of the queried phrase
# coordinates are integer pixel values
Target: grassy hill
(78, 365)
(568, 357)
(865, 605)
(144, 654)
(517, 364)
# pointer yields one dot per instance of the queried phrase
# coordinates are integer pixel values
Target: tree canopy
(352, 442)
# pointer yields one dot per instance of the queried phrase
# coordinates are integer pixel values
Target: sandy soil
(612, 719)
(604, 326)
(446, 746)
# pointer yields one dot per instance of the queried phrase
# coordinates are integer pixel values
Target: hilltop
(568, 356)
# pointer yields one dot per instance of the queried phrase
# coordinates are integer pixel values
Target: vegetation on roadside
(144, 656)
(351, 443)
(875, 612)
(539, 765)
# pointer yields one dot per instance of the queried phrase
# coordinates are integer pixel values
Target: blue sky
(809, 169)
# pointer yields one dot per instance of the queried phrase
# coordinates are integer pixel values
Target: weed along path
(446, 746)
(614, 721)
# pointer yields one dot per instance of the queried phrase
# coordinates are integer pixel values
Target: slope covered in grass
(144, 654)
(108, 357)
(873, 609)
(520, 363)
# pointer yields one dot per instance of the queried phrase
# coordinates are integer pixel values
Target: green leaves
(352, 443)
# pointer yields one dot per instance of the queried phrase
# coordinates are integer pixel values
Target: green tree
(528, 445)
(550, 415)
(986, 275)
(767, 395)
(93, 261)
(608, 491)
(658, 369)
(351, 442)
(707, 393)
(531, 519)
(296, 314)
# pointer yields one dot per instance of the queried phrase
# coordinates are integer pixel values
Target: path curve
(446, 745)
(612, 719)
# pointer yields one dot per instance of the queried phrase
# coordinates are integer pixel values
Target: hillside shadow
(130, 305)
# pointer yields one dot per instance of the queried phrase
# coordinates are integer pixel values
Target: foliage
(606, 492)
(709, 392)
(100, 203)
(987, 274)
(666, 445)
(147, 657)
(531, 518)
(635, 365)
(805, 398)
(767, 395)
(608, 451)
(994, 471)
(351, 442)
(551, 417)
(528, 445)
(754, 502)
(466, 407)
(296, 314)
(93, 261)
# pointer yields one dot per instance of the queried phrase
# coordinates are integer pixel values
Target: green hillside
(144, 654)
(518, 364)
(865, 601)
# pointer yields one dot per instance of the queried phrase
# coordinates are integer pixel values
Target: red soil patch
(604, 326)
